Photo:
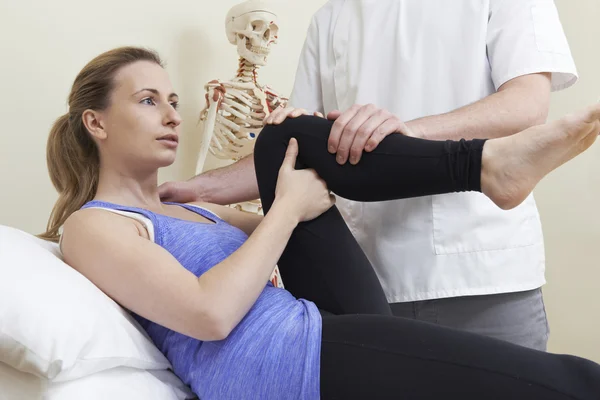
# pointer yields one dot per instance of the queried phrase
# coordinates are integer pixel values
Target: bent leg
(323, 262)
(400, 167)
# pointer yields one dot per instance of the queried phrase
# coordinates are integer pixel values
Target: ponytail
(73, 165)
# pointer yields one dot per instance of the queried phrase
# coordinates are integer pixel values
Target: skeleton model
(235, 109)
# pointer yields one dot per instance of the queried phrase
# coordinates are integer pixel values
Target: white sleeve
(307, 92)
(525, 37)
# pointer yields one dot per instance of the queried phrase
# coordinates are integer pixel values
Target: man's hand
(179, 192)
(281, 114)
(361, 128)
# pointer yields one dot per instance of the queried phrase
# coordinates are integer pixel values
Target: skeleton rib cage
(233, 118)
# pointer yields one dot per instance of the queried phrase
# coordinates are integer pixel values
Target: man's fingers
(388, 127)
(280, 117)
(333, 115)
(338, 127)
(177, 192)
(364, 134)
(269, 119)
(351, 130)
(277, 114)
(165, 191)
(280, 114)
(298, 112)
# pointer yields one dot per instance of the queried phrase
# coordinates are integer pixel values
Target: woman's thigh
(379, 357)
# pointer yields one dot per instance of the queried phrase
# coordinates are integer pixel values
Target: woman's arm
(145, 278)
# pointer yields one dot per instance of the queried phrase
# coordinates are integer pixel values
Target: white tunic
(426, 57)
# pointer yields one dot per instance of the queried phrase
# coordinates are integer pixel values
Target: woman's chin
(166, 161)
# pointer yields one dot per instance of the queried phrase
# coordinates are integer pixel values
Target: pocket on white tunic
(470, 222)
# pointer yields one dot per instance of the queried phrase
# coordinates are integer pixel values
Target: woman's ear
(93, 123)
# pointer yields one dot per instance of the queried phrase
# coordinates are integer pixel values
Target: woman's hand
(302, 191)
(280, 114)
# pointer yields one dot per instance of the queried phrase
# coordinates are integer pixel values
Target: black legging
(381, 356)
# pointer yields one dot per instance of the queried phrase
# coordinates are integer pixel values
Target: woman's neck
(129, 189)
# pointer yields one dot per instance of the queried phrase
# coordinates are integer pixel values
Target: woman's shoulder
(90, 222)
(93, 217)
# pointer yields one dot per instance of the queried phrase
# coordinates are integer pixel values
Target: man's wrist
(416, 129)
(201, 185)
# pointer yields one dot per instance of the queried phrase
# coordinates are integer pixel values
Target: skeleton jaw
(255, 54)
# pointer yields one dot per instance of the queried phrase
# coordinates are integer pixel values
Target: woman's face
(141, 124)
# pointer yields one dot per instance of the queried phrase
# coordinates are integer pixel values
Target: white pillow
(120, 383)
(117, 383)
(55, 323)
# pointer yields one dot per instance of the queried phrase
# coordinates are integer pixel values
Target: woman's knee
(272, 137)
(291, 127)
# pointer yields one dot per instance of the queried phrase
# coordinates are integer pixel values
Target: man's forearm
(234, 183)
(518, 105)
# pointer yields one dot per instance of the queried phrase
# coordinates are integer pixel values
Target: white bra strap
(139, 217)
(214, 214)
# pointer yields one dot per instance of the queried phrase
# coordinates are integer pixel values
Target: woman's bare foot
(512, 166)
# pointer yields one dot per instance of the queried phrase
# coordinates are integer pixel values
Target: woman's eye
(175, 105)
(148, 100)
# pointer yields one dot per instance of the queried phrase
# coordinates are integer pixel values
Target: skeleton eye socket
(258, 25)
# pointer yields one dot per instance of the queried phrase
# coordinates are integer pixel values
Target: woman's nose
(172, 117)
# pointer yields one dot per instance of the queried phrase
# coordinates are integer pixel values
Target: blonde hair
(71, 154)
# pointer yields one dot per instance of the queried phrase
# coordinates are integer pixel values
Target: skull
(252, 26)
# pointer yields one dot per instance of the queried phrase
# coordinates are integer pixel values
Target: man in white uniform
(450, 69)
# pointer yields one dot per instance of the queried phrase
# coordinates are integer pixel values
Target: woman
(196, 278)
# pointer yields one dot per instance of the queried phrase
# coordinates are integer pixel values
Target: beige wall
(568, 201)
(44, 44)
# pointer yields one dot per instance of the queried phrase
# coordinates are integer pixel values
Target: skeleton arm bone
(213, 98)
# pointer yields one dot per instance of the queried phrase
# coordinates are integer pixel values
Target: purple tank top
(273, 353)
